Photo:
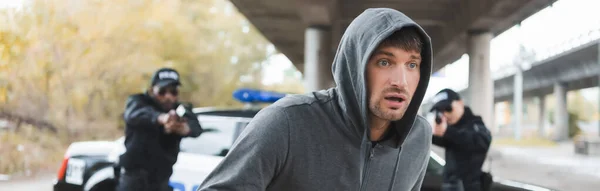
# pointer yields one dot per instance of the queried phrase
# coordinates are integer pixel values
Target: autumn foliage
(71, 64)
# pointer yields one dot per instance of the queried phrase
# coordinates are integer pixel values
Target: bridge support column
(542, 116)
(518, 102)
(598, 61)
(561, 116)
(317, 63)
(481, 86)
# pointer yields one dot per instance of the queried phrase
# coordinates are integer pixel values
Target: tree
(69, 65)
(524, 58)
(73, 63)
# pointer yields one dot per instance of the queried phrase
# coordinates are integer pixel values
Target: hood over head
(360, 39)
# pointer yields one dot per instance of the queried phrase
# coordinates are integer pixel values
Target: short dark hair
(407, 38)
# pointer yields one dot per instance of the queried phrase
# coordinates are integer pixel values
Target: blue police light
(256, 96)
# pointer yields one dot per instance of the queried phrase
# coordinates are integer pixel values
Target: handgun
(180, 112)
(438, 117)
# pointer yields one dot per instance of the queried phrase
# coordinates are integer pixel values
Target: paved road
(41, 182)
(554, 167)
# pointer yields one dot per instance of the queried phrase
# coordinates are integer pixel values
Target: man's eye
(383, 63)
(412, 65)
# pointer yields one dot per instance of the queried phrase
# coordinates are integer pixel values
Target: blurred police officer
(466, 141)
(154, 129)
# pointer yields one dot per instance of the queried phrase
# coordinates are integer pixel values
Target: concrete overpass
(574, 69)
(308, 32)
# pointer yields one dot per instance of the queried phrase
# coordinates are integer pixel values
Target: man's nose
(398, 77)
(170, 96)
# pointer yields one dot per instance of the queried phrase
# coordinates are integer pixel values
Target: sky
(11, 3)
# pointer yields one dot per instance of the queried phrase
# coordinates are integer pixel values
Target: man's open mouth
(394, 98)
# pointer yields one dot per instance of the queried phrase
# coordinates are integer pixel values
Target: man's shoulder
(306, 100)
(138, 98)
(478, 120)
(475, 121)
(479, 126)
(296, 107)
(420, 134)
(422, 124)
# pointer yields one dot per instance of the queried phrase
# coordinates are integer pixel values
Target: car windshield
(214, 143)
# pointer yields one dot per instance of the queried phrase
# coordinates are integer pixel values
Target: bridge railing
(550, 51)
(572, 43)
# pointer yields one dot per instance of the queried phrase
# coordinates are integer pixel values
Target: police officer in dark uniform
(155, 125)
(466, 141)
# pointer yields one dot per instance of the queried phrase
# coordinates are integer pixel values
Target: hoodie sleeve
(139, 114)
(474, 138)
(256, 157)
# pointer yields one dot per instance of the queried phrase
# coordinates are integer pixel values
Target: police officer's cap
(443, 99)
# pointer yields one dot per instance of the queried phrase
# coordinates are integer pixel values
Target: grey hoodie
(319, 141)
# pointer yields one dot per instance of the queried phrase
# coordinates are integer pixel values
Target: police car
(93, 165)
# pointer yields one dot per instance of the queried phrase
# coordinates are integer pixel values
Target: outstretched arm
(257, 155)
(140, 114)
(475, 138)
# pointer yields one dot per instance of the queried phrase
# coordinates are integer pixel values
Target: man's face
(392, 78)
(454, 113)
(166, 96)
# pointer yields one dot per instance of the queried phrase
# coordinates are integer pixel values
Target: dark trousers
(141, 180)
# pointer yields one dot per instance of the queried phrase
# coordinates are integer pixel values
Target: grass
(29, 151)
(524, 142)
(42, 151)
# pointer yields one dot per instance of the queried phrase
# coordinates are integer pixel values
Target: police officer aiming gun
(155, 124)
(466, 140)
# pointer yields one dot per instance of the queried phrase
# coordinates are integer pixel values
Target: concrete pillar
(518, 102)
(598, 58)
(317, 59)
(481, 85)
(561, 116)
(542, 116)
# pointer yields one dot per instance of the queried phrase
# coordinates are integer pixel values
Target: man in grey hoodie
(364, 134)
